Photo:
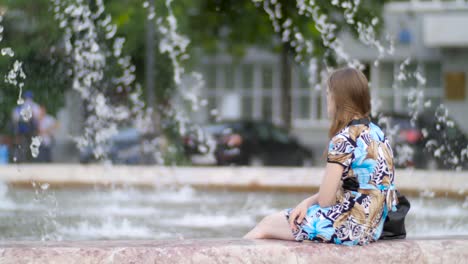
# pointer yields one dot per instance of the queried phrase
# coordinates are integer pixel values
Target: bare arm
(330, 183)
(325, 197)
(309, 201)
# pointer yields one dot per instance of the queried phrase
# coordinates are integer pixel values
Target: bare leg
(274, 226)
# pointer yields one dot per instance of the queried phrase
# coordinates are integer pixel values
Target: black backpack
(394, 226)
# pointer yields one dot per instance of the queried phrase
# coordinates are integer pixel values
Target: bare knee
(261, 230)
(270, 219)
(256, 233)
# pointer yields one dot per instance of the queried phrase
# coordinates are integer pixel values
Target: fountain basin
(410, 182)
(443, 250)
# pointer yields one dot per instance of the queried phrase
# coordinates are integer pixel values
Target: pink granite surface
(443, 250)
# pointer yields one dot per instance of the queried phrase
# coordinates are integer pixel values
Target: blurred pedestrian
(47, 127)
(4, 149)
(25, 126)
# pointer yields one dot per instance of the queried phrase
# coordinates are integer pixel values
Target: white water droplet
(26, 113)
(45, 186)
(151, 15)
(203, 148)
(214, 112)
(35, 145)
(8, 52)
(401, 76)
(425, 132)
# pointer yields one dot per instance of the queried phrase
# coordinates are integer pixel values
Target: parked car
(428, 142)
(125, 147)
(199, 144)
(257, 143)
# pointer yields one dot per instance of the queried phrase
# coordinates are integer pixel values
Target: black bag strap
(361, 121)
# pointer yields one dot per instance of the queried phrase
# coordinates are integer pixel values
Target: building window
(228, 76)
(319, 114)
(304, 107)
(303, 78)
(212, 108)
(386, 75)
(433, 75)
(210, 76)
(247, 107)
(387, 103)
(267, 77)
(455, 86)
(267, 109)
(247, 76)
(410, 82)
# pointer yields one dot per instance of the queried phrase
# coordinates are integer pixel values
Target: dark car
(257, 143)
(127, 146)
(428, 141)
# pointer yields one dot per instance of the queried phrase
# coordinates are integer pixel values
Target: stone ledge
(430, 250)
(444, 183)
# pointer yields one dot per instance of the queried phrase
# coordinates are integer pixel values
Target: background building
(429, 33)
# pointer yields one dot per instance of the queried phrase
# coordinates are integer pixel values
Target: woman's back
(367, 191)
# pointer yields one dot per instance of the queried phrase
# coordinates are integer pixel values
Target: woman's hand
(299, 212)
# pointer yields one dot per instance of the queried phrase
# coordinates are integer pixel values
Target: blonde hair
(350, 92)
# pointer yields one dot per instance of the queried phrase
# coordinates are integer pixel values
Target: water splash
(45, 206)
(16, 77)
(111, 228)
(186, 98)
(89, 56)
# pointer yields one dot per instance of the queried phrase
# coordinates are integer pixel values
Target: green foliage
(233, 25)
(130, 18)
(30, 30)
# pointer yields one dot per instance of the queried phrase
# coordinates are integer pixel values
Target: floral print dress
(367, 192)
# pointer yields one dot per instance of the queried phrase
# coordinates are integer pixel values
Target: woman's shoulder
(343, 134)
(351, 133)
(342, 138)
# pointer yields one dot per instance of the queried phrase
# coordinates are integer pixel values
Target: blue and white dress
(359, 214)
